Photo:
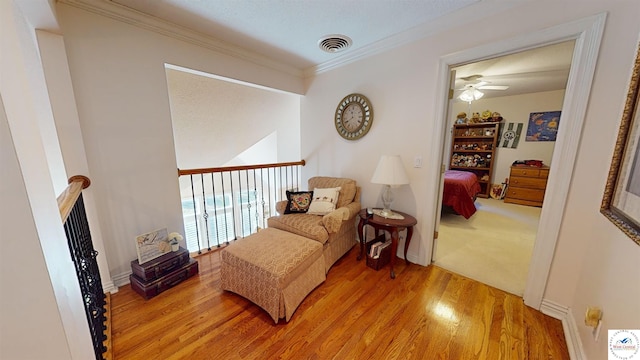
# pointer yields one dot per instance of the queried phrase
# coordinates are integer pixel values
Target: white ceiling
(541, 69)
(287, 32)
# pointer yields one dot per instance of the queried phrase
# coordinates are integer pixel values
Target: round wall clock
(354, 116)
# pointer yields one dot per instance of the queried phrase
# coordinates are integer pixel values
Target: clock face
(354, 116)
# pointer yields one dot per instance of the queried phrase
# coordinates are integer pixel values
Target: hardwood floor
(358, 313)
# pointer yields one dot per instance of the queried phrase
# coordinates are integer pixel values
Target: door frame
(443, 166)
(587, 33)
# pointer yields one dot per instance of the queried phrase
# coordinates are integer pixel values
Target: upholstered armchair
(335, 230)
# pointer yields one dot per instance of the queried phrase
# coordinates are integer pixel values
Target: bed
(460, 190)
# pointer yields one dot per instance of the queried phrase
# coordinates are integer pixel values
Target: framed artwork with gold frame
(621, 200)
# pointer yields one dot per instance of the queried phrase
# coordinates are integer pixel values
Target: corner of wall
(571, 335)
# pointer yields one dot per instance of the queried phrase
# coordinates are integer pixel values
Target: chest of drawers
(527, 185)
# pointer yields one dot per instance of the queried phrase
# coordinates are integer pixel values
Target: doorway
(495, 244)
(587, 33)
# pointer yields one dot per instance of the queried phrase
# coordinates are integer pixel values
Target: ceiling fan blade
(466, 87)
(493, 87)
(471, 77)
(481, 83)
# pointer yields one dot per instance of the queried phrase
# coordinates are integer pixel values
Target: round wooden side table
(393, 226)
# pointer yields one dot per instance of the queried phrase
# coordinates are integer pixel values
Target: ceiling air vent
(334, 43)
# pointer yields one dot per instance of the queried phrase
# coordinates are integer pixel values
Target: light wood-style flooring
(358, 313)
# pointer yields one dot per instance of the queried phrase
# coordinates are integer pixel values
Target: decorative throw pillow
(298, 202)
(324, 201)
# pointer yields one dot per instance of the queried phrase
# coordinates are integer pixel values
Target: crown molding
(473, 12)
(124, 14)
(133, 17)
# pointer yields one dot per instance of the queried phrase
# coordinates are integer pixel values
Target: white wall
(593, 256)
(118, 78)
(401, 86)
(28, 312)
(41, 299)
(516, 109)
(118, 74)
(69, 135)
(215, 120)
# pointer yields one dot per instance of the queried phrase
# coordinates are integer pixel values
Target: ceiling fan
(472, 92)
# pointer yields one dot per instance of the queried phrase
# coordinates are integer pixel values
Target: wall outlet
(417, 161)
(596, 331)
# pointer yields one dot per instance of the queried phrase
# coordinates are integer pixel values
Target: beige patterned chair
(336, 231)
(279, 266)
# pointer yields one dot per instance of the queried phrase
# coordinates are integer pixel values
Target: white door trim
(587, 34)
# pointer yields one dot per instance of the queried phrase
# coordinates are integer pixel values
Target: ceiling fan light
(470, 95)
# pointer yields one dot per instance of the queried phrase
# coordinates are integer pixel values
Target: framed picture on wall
(621, 200)
(543, 126)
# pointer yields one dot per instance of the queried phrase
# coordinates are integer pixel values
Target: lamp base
(388, 214)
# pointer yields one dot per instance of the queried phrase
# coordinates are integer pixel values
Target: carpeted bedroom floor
(493, 246)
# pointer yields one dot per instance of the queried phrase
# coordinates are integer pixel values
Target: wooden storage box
(155, 287)
(380, 262)
(160, 266)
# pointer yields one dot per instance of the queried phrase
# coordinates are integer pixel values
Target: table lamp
(389, 172)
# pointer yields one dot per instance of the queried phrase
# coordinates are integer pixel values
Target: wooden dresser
(527, 185)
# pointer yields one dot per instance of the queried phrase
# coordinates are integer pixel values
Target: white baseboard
(109, 287)
(122, 279)
(571, 335)
(413, 259)
(554, 310)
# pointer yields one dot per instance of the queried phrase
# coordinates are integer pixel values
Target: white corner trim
(571, 335)
(109, 287)
(588, 34)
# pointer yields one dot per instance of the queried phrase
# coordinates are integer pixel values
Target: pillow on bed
(298, 201)
(324, 201)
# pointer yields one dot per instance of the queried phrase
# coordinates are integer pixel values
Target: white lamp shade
(470, 95)
(390, 171)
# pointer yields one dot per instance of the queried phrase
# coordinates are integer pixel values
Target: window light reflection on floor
(445, 312)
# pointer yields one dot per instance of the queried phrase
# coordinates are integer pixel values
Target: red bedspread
(460, 189)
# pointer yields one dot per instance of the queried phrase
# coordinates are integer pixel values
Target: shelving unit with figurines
(473, 149)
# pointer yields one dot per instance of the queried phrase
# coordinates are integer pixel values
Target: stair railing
(222, 204)
(76, 227)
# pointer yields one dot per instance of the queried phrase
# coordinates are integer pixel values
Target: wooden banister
(237, 168)
(220, 204)
(70, 195)
(83, 255)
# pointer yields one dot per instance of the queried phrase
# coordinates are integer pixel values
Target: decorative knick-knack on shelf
(174, 240)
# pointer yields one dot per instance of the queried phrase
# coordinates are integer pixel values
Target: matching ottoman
(274, 269)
